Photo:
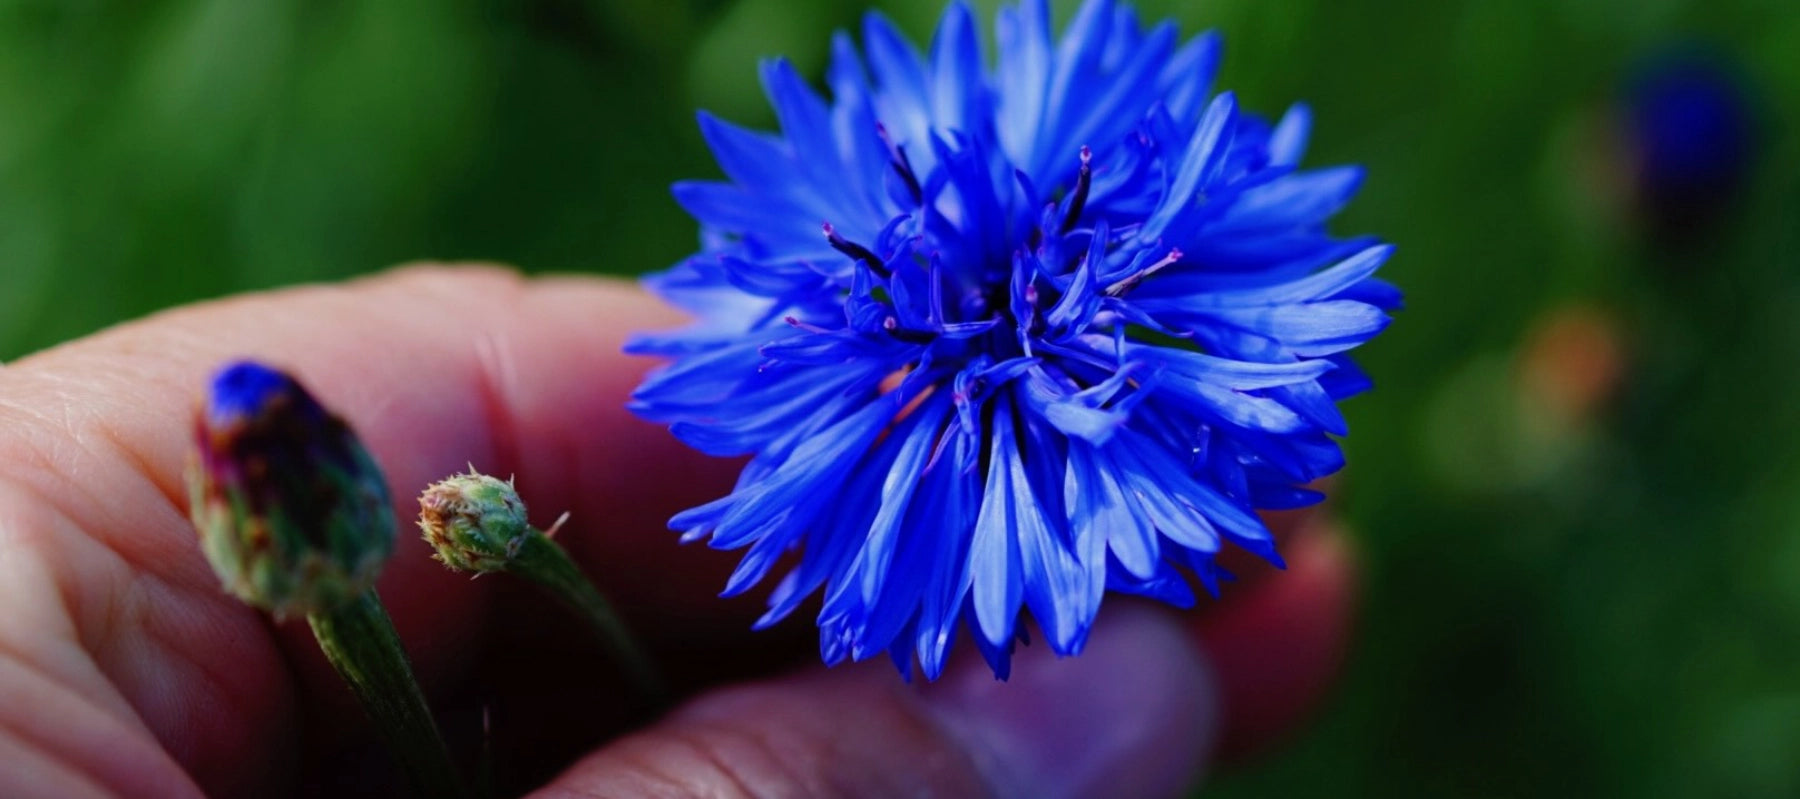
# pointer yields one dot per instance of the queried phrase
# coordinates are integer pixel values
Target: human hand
(126, 671)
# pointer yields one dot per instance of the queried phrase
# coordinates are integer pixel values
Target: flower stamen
(855, 251)
(1083, 181)
(902, 165)
(1120, 288)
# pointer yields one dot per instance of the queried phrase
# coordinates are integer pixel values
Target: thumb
(1133, 716)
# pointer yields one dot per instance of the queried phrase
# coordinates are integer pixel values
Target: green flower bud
(475, 522)
(478, 523)
(293, 513)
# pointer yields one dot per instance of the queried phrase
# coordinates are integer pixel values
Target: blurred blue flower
(1066, 325)
(1690, 116)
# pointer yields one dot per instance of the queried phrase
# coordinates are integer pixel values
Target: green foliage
(1607, 604)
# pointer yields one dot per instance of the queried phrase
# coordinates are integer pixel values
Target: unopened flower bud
(478, 523)
(475, 522)
(293, 513)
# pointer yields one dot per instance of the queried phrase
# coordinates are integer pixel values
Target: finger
(1278, 647)
(1277, 641)
(1132, 716)
(435, 368)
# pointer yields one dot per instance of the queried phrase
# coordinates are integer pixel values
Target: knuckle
(796, 738)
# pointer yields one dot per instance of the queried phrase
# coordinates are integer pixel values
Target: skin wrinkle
(109, 625)
(53, 689)
(58, 472)
(494, 378)
(646, 771)
(99, 421)
(86, 419)
(36, 653)
(807, 745)
(65, 629)
(58, 721)
(48, 776)
(780, 756)
(683, 762)
(649, 772)
(174, 492)
(711, 751)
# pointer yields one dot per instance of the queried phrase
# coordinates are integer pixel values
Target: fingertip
(1278, 647)
(1132, 716)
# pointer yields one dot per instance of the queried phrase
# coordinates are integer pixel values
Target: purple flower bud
(293, 513)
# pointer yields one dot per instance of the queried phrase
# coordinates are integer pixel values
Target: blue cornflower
(1690, 119)
(1009, 338)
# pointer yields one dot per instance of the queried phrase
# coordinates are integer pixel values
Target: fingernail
(1134, 715)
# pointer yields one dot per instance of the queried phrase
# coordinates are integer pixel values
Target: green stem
(542, 561)
(360, 642)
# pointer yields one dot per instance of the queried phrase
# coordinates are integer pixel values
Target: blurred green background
(1576, 489)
